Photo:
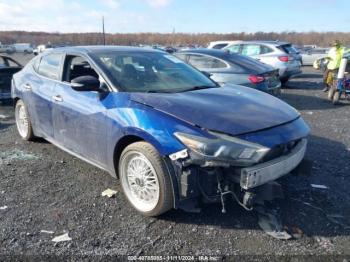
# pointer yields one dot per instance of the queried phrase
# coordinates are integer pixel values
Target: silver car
(227, 68)
(310, 56)
(280, 55)
(7, 49)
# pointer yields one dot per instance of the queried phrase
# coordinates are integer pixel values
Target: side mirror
(85, 83)
(207, 74)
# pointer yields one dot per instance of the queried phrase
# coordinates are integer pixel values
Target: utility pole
(173, 37)
(103, 30)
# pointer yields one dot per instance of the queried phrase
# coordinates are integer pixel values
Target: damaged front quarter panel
(201, 179)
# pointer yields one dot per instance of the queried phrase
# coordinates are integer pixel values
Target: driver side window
(76, 66)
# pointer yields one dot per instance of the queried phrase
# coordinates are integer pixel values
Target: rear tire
(23, 122)
(145, 179)
(284, 80)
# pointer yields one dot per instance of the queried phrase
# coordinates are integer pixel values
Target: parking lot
(44, 188)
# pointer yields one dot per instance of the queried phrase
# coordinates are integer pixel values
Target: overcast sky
(220, 16)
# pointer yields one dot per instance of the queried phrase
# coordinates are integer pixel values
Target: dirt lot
(44, 188)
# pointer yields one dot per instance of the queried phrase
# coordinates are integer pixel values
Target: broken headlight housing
(224, 148)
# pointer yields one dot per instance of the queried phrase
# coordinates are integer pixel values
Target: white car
(220, 44)
(7, 49)
(280, 55)
(310, 56)
(23, 48)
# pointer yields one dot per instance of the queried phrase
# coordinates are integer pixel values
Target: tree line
(298, 38)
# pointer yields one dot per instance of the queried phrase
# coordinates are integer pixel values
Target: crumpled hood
(231, 109)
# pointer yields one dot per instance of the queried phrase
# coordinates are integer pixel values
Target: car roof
(102, 48)
(223, 42)
(275, 43)
(207, 51)
(229, 57)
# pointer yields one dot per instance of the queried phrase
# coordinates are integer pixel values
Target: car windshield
(151, 72)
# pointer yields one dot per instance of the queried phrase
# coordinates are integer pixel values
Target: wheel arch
(15, 99)
(120, 146)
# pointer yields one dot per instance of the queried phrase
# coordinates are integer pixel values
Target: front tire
(145, 179)
(23, 123)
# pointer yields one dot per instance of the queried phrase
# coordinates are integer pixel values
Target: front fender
(148, 124)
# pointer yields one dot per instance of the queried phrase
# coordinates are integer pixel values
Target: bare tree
(321, 39)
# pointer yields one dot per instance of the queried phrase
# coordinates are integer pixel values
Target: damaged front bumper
(201, 181)
(260, 174)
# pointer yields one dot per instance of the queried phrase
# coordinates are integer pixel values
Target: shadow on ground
(310, 75)
(4, 125)
(303, 84)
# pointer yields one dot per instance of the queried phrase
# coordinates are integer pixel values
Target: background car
(280, 55)
(225, 67)
(219, 44)
(23, 48)
(9, 49)
(8, 67)
(310, 56)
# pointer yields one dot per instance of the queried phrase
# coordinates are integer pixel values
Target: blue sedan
(168, 132)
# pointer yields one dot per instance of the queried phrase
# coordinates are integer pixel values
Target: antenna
(103, 30)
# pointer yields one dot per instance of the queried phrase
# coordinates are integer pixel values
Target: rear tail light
(256, 79)
(283, 58)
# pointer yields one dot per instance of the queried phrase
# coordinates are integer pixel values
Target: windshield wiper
(180, 90)
(199, 88)
(158, 91)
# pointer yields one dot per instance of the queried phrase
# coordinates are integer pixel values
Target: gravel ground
(44, 188)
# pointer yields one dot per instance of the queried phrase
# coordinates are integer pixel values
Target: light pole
(103, 30)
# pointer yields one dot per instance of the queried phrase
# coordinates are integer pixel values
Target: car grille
(280, 150)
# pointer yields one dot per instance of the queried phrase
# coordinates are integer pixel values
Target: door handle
(58, 98)
(27, 87)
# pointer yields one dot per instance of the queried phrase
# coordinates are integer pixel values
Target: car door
(79, 116)
(39, 91)
(259, 52)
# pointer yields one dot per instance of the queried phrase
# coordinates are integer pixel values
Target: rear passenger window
(219, 46)
(50, 66)
(233, 48)
(181, 56)
(251, 50)
(265, 50)
(318, 51)
(206, 62)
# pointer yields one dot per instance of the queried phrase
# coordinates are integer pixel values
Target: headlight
(224, 148)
